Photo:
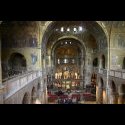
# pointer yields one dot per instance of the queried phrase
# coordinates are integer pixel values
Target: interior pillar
(100, 96)
(113, 98)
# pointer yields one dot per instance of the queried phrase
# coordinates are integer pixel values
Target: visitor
(74, 100)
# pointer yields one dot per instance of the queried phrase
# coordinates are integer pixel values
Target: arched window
(16, 64)
(33, 96)
(113, 86)
(25, 99)
(123, 65)
(95, 62)
(103, 61)
(17, 61)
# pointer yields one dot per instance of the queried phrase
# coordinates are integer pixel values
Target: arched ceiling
(66, 51)
(99, 30)
(90, 33)
(89, 26)
(68, 47)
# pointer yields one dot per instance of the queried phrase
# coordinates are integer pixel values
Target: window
(68, 29)
(74, 29)
(62, 29)
(58, 61)
(73, 61)
(65, 61)
(80, 28)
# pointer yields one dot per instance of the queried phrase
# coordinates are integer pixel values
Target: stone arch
(71, 37)
(81, 47)
(113, 86)
(38, 86)
(38, 89)
(95, 62)
(103, 61)
(101, 24)
(17, 62)
(113, 98)
(49, 24)
(94, 83)
(33, 96)
(101, 94)
(26, 98)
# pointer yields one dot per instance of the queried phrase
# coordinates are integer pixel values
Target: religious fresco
(20, 43)
(34, 58)
(121, 41)
(19, 34)
(114, 60)
(119, 24)
(102, 44)
(118, 41)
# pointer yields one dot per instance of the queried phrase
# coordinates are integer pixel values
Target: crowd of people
(68, 101)
(72, 96)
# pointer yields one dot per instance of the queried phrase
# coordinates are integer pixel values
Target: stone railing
(118, 74)
(114, 73)
(100, 71)
(103, 71)
(15, 84)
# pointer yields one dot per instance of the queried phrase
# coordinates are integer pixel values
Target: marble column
(100, 96)
(107, 96)
(113, 98)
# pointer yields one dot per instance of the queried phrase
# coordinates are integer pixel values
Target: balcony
(15, 84)
(118, 74)
(114, 73)
(100, 71)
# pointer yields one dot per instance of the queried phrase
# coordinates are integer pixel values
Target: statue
(76, 75)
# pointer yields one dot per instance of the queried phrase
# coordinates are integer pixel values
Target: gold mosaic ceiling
(66, 51)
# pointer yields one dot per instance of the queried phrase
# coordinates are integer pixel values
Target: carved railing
(15, 84)
(103, 71)
(100, 71)
(118, 74)
(114, 73)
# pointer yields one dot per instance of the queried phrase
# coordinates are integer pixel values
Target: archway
(95, 62)
(94, 84)
(101, 92)
(54, 30)
(113, 99)
(89, 33)
(103, 61)
(67, 55)
(16, 63)
(38, 90)
(25, 99)
(33, 96)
